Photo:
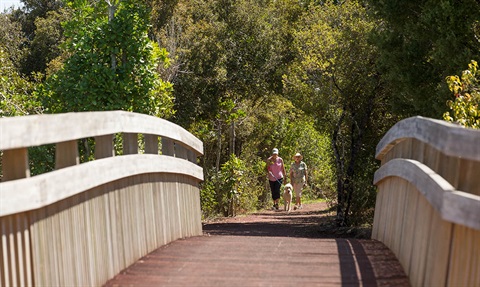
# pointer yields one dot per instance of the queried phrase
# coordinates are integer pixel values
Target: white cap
(275, 151)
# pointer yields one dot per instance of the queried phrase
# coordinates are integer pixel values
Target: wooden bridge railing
(428, 203)
(82, 224)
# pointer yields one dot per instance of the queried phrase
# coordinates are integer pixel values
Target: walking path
(272, 248)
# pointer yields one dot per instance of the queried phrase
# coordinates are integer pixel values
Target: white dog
(287, 196)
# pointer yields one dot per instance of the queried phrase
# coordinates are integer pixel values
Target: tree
(224, 52)
(36, 58)
(46, 44)
(336, 79)
(15, 91)
(11, 40)
(420, 43)
(112, 64)
(228, 58)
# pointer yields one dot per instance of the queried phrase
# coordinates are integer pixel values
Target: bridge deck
(267, 249)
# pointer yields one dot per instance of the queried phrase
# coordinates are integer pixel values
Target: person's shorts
(297, 187)
(275, 188)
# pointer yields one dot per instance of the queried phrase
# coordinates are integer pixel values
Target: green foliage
(15, 91)
(335, 79)
(112, 64)
(420, 43)
(224, 50)
(11, 40)
(42, 17)
(228, 58)
(466, 90)
(279, 124)
(46, 44)
(234, 189)
(41, 159)
(301, 136)
(208, 203)
(275, 123)
(230, 185)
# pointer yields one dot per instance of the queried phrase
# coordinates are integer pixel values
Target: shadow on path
(270, 248)
(313, 221)
(362, 262)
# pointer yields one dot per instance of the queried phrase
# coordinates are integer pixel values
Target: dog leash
(271, 173)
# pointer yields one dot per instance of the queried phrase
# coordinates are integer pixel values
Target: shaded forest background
(323, 78)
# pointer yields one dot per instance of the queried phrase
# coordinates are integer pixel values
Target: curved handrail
(42, 190)
(99, 216)
(24, 131)
(448, 138)
(420, 213)
(454, 206)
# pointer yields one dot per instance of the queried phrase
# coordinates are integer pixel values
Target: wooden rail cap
(27, 131)
(448, 138)
(453, 205)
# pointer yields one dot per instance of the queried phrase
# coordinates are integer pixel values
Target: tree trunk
(349, 177)
(111, 16)
(219, 148)
(232, 137)
(340, 164)
(356, 145)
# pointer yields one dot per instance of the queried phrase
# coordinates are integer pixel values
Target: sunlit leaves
(12, 39)
(15, 91)
(335, 78)
(465, 107)
(113, 64)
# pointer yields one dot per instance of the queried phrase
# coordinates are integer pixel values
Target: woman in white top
(298, 177)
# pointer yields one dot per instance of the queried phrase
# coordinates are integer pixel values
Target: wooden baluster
(66, 154)
(130, 143)
(181, 151)
(15, 164)
(168, 147)
(104, 147)
(151, 144)
(192, 156)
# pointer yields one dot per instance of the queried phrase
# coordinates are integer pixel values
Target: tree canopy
(336, 79)
(112, 62)
(421, 43)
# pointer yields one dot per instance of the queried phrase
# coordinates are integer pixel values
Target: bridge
(83, 223)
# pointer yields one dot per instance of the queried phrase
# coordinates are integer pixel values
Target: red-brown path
(273, 248)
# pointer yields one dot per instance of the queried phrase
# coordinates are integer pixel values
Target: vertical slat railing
(15, 252)
(82, 224)
(428, 201)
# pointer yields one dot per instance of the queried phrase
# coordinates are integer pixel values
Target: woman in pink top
(276, 172)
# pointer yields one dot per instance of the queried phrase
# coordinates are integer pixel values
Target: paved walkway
(242, 252)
